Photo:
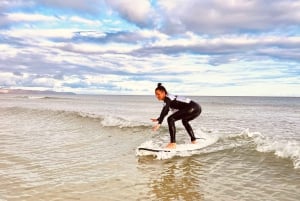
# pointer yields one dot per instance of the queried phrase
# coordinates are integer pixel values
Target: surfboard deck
(153, 150)
(179, 148)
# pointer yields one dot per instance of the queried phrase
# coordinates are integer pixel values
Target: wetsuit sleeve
(164, 111)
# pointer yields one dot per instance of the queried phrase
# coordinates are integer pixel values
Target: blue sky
(208, 47)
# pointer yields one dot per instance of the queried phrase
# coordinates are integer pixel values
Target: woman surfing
(186, 110)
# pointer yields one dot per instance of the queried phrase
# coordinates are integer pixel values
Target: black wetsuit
(187, 110)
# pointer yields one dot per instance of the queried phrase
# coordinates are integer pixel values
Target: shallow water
(84, 148)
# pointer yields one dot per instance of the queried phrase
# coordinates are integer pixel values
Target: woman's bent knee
(170, 120)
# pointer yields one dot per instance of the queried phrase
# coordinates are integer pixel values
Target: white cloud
(14, 18)
(138, 11)
(45, 82)
(87, 6)
(216, 16)
(9, 4)
(7, 51)
(8, 79)
(87, 48)
(40, 34)
(78, 19)
(27, 17)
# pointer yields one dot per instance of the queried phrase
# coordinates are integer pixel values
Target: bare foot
(194, 142)
(171, 146)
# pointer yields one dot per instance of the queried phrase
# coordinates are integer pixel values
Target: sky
(207, 47)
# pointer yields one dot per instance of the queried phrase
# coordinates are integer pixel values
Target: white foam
(110, 121)
(35, 97)
(281, 148)
(284, 149)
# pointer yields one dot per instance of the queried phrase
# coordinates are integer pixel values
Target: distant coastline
(22, 91)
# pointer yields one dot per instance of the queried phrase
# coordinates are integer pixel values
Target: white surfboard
(179, 147)
(149, 149)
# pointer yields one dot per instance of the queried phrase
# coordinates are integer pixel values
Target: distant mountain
(22, 91)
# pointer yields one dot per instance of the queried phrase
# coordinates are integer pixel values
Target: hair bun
(160, 87)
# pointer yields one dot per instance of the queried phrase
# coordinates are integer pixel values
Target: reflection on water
(173, 181)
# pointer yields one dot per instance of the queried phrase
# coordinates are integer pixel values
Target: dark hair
(160, 87)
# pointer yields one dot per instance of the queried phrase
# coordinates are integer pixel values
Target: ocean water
(85, 148)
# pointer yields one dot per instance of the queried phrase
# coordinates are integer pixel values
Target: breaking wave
(282, 148)
(215, 142)
(106, 120)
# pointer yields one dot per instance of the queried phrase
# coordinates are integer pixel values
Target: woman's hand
(154, 120)
(156, 127)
